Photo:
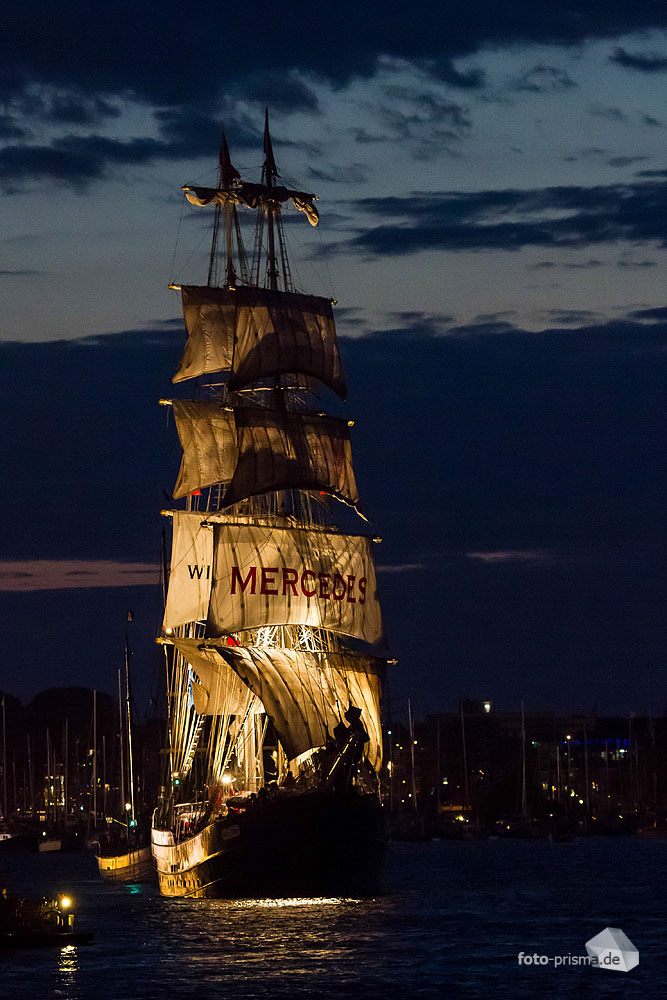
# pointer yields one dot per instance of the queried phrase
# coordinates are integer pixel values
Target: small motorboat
(38, 923)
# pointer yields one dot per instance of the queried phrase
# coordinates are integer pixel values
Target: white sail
(191, 570)
(307, 694)
(207, 432)
(258, 333)
(216, 689)
(261, 450)
(273, 576)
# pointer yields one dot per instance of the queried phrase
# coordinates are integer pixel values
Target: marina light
(227, 779)
(487, 706)
(65, 902)
(128, 806)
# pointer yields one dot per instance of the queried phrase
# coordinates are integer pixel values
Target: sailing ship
(123, 853)
(272, 632)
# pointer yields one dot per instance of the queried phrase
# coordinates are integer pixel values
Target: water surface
(450, 923)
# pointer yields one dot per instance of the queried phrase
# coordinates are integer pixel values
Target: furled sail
(207, 432)
(191, 570)
(254, 196)
(306, 694)
(257, 333)
(281, 576)
(216, 688)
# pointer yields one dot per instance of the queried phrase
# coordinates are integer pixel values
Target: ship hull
(135, 866)
(308, 844)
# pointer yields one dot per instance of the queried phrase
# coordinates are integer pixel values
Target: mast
(524, 804)
(104, 777)
(48, 773)
(4, 759)
(412, 756)
(269, 173)
(130, 768)
(66, 775)
(227, 176)
(465, 758)
(121, 741)
(95, 758)
(31, 777)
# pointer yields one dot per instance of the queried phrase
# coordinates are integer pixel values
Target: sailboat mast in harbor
(272, 630)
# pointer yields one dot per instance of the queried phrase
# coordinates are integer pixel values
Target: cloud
(281, 91)
(557, 217)
(26, 273)
(638, 264)
(652, 122)
(645, 62)
(584, 265)
(657, 315)
(572, 316)
(66, 574)
(544, 79)
(196, 57)
(352, 173)
(78, 160)
(402, 568)
(612, 114)
(446, 71)
(540, 556)
(625, 161)
(9, 129)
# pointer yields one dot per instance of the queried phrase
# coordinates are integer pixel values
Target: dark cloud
(21, 163)
(584, 265)
(549, 217)
(282, 91)
(610, 113)
(483, 441)
(636, 263)
(168, 55)
(571, 317)
(645, 62)
(652, 122)
(353, 173)
(544, 79)
(444, 70)
(68, 107)
(9, 129)
(657, 315)
(424, 119)
(626, 161)
(78, 160)
(25, 273)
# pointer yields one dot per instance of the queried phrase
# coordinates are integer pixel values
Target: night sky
(493, 190)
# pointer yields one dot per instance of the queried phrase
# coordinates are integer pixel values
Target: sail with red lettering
(272, 630)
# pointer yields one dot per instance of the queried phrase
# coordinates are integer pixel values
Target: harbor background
(451, 920)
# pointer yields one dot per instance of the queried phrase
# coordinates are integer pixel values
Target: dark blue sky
(493, 192)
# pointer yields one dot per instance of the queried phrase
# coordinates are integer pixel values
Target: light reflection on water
(252, 904)
(451, 922)
(68, 967)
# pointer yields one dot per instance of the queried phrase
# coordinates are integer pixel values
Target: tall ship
(272, 633)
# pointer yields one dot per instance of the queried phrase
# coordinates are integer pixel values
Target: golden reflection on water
(68, 968)
(252, 904)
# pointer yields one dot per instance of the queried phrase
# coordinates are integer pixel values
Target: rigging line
(178, 233)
